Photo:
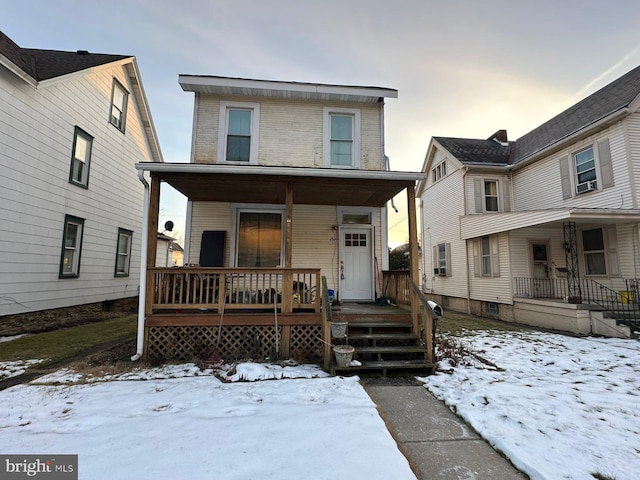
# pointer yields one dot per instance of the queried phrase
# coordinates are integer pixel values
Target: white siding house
(551, 221)
(72, 127)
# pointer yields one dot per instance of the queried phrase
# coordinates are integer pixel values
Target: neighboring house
(164, 249)
(543, 230)
(177, 254)
(288, 184)
(72, 127)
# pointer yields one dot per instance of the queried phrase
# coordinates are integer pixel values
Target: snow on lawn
(15, 368)
(179, 422)
(563, 407)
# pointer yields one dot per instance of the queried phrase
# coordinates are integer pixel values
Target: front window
(594, 253)
(123, 252)
(238, 132)
(485, 246)
(259, 239)
(71, 247)
(81, 157)
(342, 140)
(238, 135)
(119, 100)
(490, 196)
(585, 169)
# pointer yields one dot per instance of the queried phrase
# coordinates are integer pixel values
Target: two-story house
(287, 185)
(543, 230)
(72, 127)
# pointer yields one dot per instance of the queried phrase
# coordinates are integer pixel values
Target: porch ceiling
(472, 226)
(259, 184)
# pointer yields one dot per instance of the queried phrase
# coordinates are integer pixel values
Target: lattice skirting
(237, 343)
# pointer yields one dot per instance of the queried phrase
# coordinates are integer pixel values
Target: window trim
(70, 219)
(493, 255)
(223, 125)
(79, 132)
(485, 196)
(122, 108)
(439, 260)
(327, 112)
(239, 208)
(604, 251)
(126, 273)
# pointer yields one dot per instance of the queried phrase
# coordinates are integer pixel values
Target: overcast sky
(463, 68)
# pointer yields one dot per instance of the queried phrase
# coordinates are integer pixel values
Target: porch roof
(472, 226)
(267, 184)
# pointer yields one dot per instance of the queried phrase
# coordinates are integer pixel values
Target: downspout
(142, 295)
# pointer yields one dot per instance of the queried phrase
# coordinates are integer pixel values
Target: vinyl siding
(538, 186)
(36, 139)
(315, 243)
(442, 205)
(291, 132)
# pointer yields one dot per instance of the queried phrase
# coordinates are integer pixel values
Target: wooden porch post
(413, 246)
(287, 278)
(152, 237)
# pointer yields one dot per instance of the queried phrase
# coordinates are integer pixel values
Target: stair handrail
(608, 299)
(429, 323)
(326, 323)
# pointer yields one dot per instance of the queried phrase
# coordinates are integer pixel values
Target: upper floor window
(341, 137)
(238, 132)
(71, 247)
(123, 252)
(119, 100)
(81, 157)
(490, 196)
(585, 170)
(439, 171)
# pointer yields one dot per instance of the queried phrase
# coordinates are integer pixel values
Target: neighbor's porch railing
(189, 288)
(396, 286)
(621, 303)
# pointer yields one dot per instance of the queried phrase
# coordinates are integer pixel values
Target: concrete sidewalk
(438, 444)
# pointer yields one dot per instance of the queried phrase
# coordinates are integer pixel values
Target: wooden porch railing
(396, 286)
(189, 288)
(428, 323)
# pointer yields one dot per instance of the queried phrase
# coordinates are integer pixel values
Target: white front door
(356, 264)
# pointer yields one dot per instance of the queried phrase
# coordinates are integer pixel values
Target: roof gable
(46, 64)
(609, 99)
(477, 152)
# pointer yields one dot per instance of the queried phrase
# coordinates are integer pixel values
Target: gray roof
(478, 152)
(609, 99)
(46, 64)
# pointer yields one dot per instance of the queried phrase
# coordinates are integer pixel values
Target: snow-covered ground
(559, 407)
(178, 422)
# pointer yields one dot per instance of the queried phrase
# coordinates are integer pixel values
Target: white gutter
(142, 292)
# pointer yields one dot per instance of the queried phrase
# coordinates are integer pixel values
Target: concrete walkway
(437, 443)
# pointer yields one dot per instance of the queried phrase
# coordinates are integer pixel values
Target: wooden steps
(384, 345)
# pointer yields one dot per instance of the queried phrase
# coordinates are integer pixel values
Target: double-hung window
(341, 137)
(485, 247)
(238, 132)
(71, 247)
(80, 158)
(442, 259)
(585, 170)
(490, 196)
(486, 256)
(594, 252)
(119, 100)
(123, 252)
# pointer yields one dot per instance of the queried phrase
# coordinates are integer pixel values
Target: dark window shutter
(212, 248)
(477, 194)
(606, 169)
(564, 178)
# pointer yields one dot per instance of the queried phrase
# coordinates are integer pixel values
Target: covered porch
(260, 313)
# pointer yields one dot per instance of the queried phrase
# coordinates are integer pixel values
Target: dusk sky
(463, 68)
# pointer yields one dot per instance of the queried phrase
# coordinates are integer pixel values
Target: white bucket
(339, 329)
(344, 355)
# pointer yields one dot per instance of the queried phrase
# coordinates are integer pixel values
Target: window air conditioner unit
(587, 186)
